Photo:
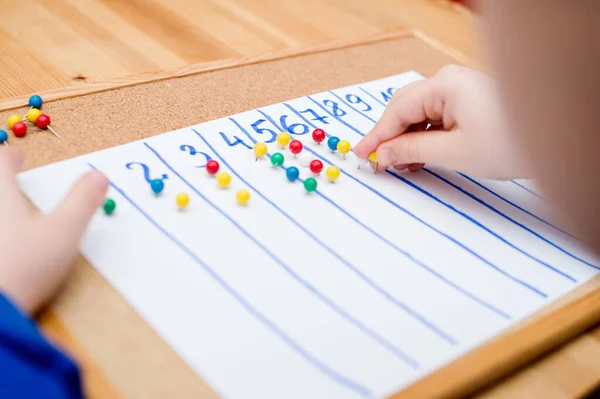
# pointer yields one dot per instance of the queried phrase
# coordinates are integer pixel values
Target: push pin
(12, 120)
(182, 200)
(277, 159)
(43, 122)
(292, 173)
(19, 129)
(283, 139)
(157, 185)
(35, 101)
(332, 172)
(212, 167)
(316, 166)
(332, 143)
(223, 179)
(3, 137)
(260, 150)
(318, 135)
(310, 185)
(33, 114)
(296, 147)
(344, 147)
(242, 197)
(373, 159)
(109, 206)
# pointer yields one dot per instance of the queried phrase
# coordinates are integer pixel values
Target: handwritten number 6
(146, 170)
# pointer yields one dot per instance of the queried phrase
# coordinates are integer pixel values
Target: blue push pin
(3, 137)
(292, 173)
(332, 143)
(157, 185)
(35, 101)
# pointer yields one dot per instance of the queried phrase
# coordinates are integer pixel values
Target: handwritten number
(293, 128)
(354, 99)
(263, 130)
(316, 116)
(335, 107)
(146, 170)
(234, 143)
(387, 95)
(192, 151)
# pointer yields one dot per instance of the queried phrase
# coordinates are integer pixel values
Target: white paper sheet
(355, 290)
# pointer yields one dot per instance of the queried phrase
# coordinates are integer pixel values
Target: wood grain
(62, 45)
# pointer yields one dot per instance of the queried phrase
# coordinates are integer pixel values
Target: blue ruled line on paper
(437, 330)
(528, 189)
(348, 104)
(274, 328)
(390, 347)
(391, 244)
(406, 211)
(372, 96)
(463, 214)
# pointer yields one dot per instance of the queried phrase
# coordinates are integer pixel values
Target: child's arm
(469, 133)
(35, 255)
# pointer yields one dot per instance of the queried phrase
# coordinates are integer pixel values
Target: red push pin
(43, 122)
(212, 167)
(318, 135)
(316, 166)
(19, 129)
(295, 147)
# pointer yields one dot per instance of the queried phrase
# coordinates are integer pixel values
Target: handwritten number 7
(316, 116)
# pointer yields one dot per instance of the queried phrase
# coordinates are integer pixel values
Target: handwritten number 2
(335, 107)
(192, 151)
(146, 170)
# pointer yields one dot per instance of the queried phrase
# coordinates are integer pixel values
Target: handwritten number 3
(192, 151)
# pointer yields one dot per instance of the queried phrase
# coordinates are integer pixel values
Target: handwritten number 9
(335, 107)
(293, 128)
(354, 99)
(192, 151)
(146, 170)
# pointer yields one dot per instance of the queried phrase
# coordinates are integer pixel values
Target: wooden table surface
(55, 44)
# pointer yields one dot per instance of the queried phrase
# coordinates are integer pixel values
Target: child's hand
(36, 251)
(467, 133)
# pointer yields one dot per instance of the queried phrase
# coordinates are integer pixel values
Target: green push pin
(310, 184)
(109, 206)
(277, 159)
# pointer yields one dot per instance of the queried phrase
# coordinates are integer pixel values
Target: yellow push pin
(344, 147)
(182, 200)
(283, 139)
(223, 179)
(13, 119)
(332, 172)
(373, 159)
(33, 114)
(260, 150)
(242, 196)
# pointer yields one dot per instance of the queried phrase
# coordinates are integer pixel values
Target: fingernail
(386, 157)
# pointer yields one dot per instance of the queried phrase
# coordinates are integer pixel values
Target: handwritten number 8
(335, 107)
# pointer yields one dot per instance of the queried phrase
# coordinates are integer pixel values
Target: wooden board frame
(477, 369)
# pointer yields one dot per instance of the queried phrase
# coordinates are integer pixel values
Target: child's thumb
(418, 147)
(72, 216)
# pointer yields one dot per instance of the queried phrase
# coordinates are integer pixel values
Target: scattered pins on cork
(34, 116)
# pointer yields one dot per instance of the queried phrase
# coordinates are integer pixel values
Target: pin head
(283, 139)
(295, 147)
(292, 173)
(12, 120)
(316, 166)
(310, 184)
(318, 135)
(277, 159)
(344, 147)
(19, 129)
(332, 143)
(109, 206)
(373, 157)
(42, 121)
(182, 200)
(36, 101)
(3, 137)
(212, 167)
(332, 172)
(33, 114)
(242, 197)
(157, 185)
(260, 150)
(223, 179)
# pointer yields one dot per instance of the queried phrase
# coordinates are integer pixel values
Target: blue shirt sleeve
(29, 366)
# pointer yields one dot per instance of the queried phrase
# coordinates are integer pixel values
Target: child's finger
(11, 199)
(70, 219)
(417, 148)
(424, 101)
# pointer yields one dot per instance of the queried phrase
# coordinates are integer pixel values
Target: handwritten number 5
(263, 130)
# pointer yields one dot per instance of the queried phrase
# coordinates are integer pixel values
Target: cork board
(134, 359)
